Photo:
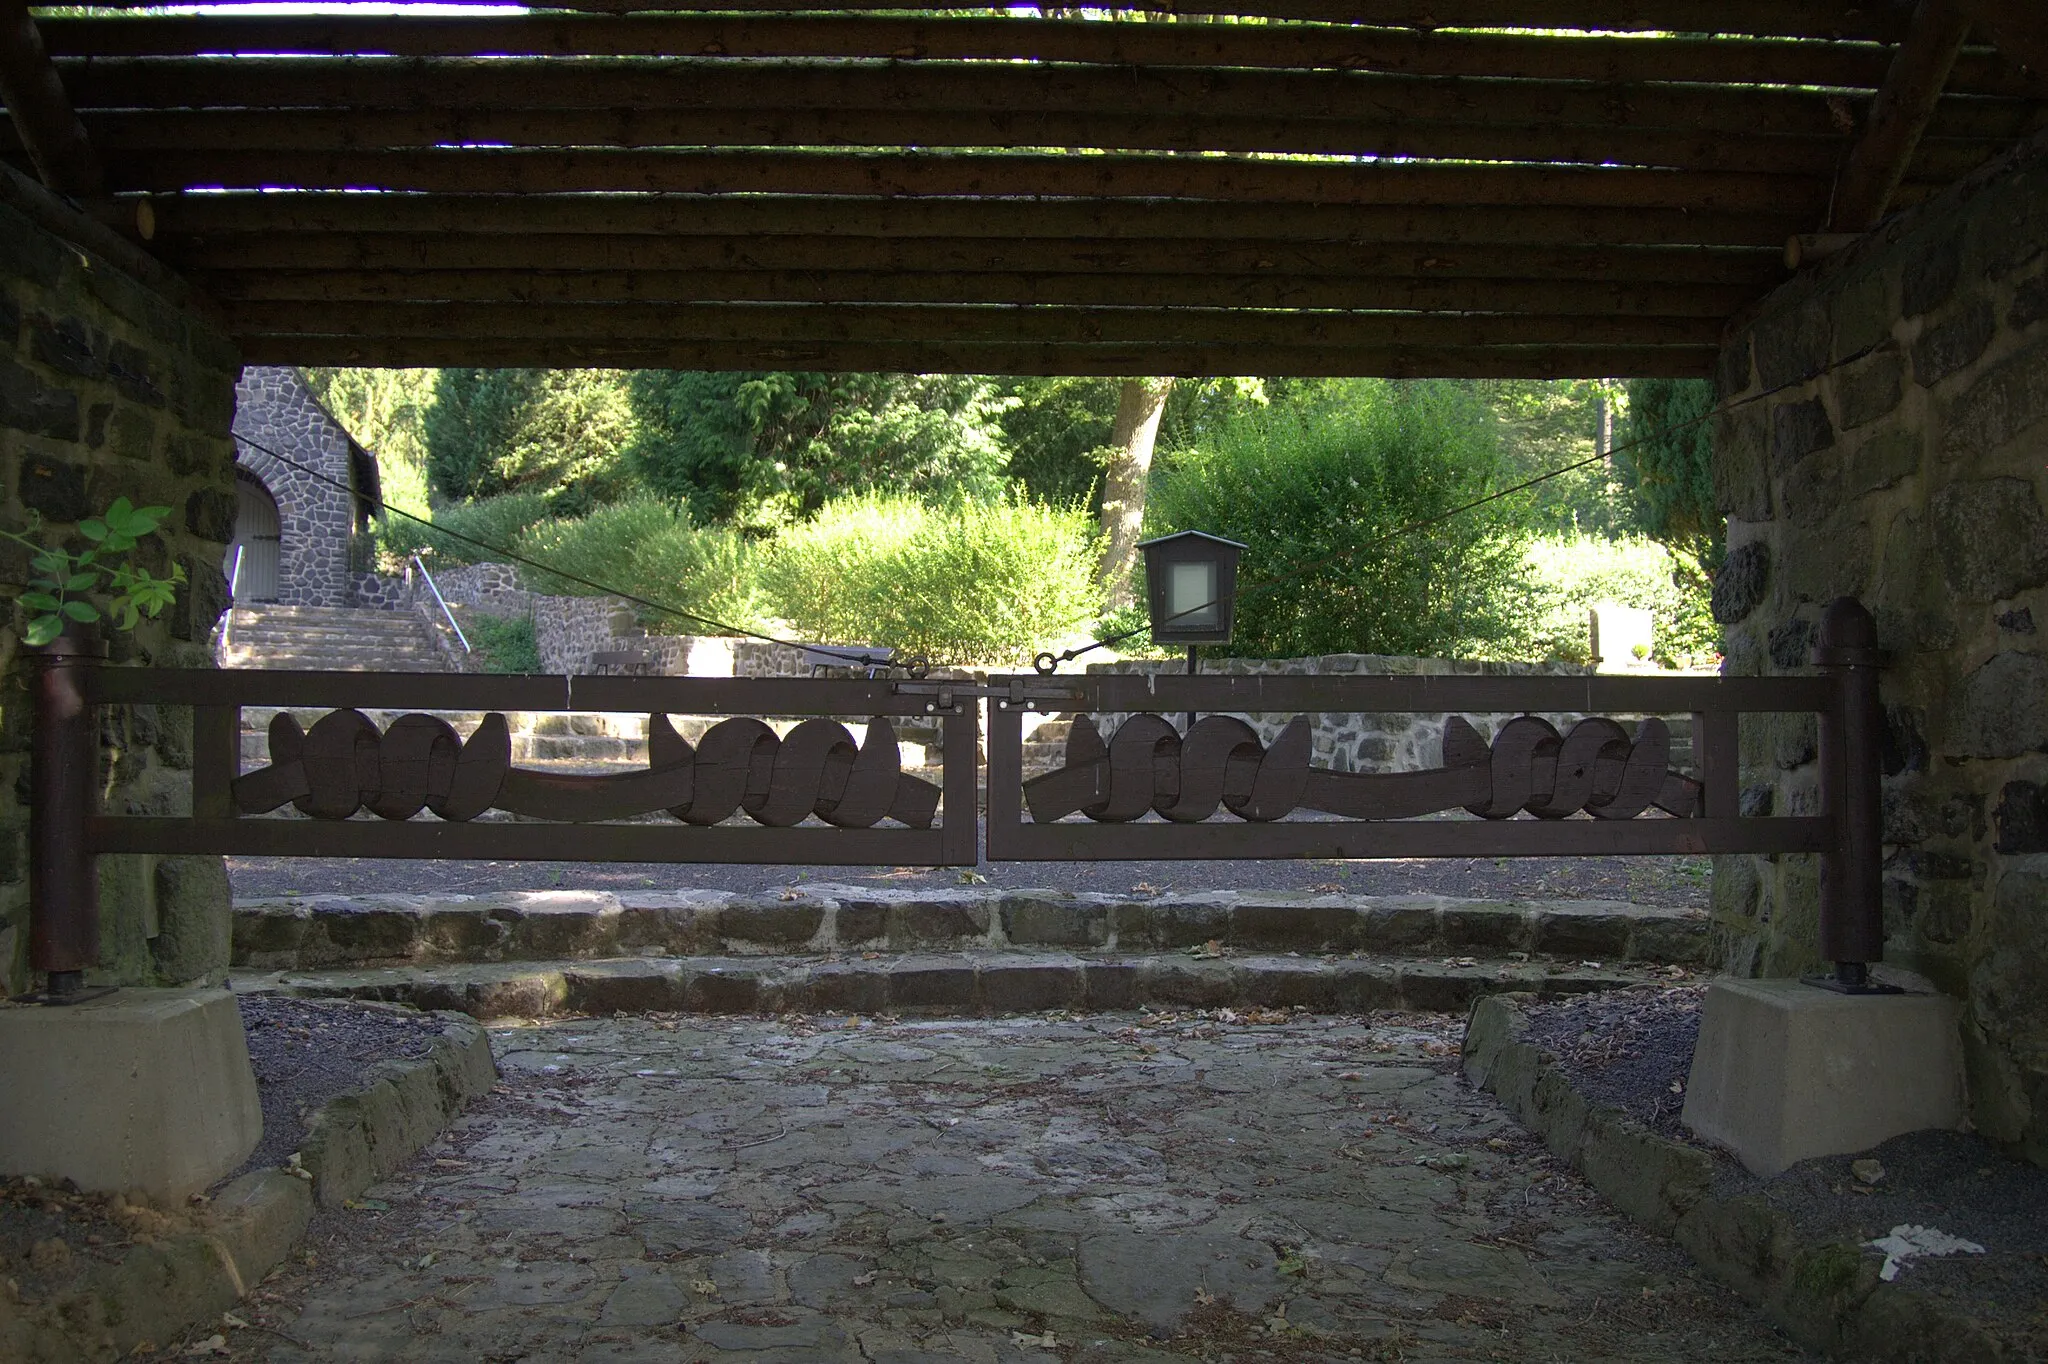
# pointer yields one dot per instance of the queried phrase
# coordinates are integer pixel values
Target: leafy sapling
(70, 587)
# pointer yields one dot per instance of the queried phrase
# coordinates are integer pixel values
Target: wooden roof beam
(2019, 30)
(1899, 115)
(919, 357)
(42, 112)
(1861, 19)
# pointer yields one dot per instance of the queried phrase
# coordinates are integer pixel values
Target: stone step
(325, 932)
(942, 984)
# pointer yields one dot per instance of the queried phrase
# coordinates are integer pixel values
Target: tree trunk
(1139, 405)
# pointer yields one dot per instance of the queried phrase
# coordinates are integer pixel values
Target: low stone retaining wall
(942, 984)
(335, 931)
(1826, 1296)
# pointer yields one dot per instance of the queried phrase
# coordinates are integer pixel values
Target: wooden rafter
(1901, 113)
(43, 117)
(2019, 30)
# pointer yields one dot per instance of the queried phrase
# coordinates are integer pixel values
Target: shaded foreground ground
(1110, 1188)
(1680, 882)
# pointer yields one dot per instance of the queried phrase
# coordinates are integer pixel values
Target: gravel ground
(1628, 1048)
(306, 1052)
(1680, 882)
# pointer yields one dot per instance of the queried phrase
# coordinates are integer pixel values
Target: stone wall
(1884, 434)
(1353, 742)
(315, 517)
(107, 390)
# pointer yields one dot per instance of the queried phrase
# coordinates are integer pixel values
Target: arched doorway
(251, 563)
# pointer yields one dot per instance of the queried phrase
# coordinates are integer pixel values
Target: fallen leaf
(231, 1320)
(212, 1345)
(1144, 888)
(1048, 1341)
(366, 1205)
(864, 1280)
(792, 894)
(1867, 1170)
(1204, 1298)
(970, 877)
(704, 1288)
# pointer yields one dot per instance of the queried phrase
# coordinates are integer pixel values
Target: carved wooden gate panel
(747, 791)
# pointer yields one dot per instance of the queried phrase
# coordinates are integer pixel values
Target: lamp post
(1191, 590)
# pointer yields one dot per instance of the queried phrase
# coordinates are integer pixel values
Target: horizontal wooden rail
(469, 170)
(1230, 840)
(1557, 297)
(1826, 19)
(931, 357)
(1733, 61)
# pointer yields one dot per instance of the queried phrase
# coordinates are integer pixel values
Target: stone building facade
(324, 489)
(1884, 434)
(109, 389)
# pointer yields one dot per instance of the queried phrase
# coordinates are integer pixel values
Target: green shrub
(1322, 487)
(506, 642)
(644, 548)
(1568, 574)
(977, 582)
(495, 521)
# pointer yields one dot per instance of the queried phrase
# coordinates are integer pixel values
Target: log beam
(43, 117)
(1610, 60)
(2019, 30)
(456, 170)
(374, 252)
(1901, 113)
(1401, 362)
(852, 324)
(1773, 18)
(1556, 297)
(1013, 91)
(218, 216)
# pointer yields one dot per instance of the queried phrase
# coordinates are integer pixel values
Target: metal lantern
(1191, 587)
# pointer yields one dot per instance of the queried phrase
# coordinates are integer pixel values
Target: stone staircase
(969, 950)
(327, 639)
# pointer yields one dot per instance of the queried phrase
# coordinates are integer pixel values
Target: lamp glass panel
(1191, 597)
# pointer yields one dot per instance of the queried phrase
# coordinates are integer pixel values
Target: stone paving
(1103, 1189)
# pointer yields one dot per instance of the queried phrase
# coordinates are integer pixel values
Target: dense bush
(982, 582)
(1321, 489)
(645, 548)
(1568, 574)
(1666, 455)
(496, 522)
(507, 643)
(561, 433)
(762, 449)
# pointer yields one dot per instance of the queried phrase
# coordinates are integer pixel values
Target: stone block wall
(1354, 742)
(316, 512)
(107, 390)
(1884, 434)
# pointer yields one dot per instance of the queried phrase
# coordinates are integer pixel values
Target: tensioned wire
(1046, 663)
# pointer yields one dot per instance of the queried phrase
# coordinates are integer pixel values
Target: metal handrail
(234, 586)
(446, 614)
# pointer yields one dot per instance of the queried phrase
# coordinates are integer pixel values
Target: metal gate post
(64, 900)
(1851, 903)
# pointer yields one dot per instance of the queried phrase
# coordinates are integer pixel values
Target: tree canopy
(557, 432)
(1666, 455)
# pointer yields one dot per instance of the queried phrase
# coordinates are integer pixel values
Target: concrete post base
(146, 1090)
(1786, 1071)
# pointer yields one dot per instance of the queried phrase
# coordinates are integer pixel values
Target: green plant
(65, 583)
(970, 583)
(648, 549)
(1567, 574)
(506, 642)
(1323, 488)
(495, 521)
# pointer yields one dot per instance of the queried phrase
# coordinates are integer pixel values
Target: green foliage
(1669, 463)
(506, 642)
(992, 581)
(1327, 477)
(1547, 424)
(648, 549)
(495, 521)
(64, 584)
(1058, 429)
(556, 432)
(385, 410)
(1570, 573)
(761, 449)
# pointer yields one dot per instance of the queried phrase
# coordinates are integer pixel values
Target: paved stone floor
(1108, 1189)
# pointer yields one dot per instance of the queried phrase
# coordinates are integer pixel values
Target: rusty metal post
(1851, 896)
(64, 892)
